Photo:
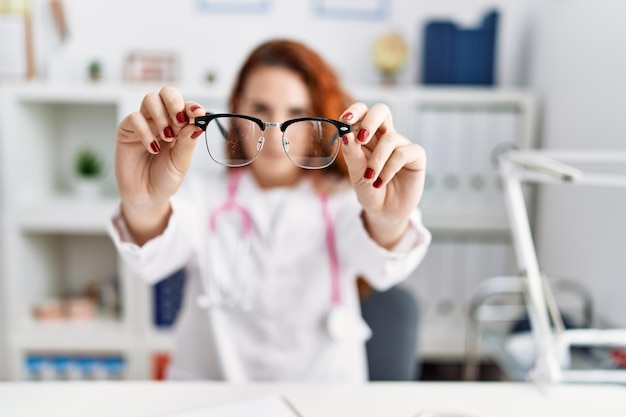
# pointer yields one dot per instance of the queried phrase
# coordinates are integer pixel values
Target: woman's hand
(386, 169)
(152, 155)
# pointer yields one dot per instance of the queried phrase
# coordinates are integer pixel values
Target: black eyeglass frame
(203, 121)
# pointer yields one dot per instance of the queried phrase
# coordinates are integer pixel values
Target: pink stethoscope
(229, 294)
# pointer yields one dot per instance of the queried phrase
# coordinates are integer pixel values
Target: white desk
(150, 399)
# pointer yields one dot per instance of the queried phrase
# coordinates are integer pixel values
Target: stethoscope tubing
(214, 293)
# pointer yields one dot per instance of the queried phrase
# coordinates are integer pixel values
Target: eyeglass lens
(236, 141)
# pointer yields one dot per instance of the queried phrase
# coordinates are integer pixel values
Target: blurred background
(462, 76)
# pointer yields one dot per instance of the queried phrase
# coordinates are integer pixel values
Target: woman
(272, 251)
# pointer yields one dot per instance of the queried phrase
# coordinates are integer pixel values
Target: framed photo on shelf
(233, 6)
(16, 49)
(352, 9)
(159, 66)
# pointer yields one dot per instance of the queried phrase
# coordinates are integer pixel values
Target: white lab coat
(278, 332)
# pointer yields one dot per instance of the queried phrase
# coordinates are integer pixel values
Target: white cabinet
(55, 246)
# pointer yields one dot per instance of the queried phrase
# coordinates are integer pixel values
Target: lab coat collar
(261, 203)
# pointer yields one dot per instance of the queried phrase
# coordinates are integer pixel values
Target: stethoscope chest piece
(339, 322)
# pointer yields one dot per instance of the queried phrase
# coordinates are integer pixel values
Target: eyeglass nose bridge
(282, 129)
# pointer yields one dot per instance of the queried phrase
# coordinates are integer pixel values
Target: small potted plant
(95, 70)
(88, 168)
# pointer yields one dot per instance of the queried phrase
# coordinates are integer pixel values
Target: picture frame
(151, 66)
(352, 9)
(233, 6)
(16, 42)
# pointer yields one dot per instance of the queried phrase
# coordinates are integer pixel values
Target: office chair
(392, 350)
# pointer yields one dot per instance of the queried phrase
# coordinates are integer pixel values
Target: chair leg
(472, 349)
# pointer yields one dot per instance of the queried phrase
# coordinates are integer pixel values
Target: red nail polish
(194, 107)
(377, 183)
(181, 117)
(195, 134)
(369, 173)
(155, 147)
(347, 116)
(344, 139)
(362, 135)
(168, 132)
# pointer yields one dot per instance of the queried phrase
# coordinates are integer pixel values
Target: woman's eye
(295, 113)
(259, 110)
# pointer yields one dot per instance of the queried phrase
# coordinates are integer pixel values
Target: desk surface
(150, 399)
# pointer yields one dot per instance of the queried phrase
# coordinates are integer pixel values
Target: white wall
(107, 30)
(580, 72)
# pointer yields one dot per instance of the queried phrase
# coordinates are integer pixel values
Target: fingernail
(194, 107)
(347, 116)
(168, 132)
(155, 147)
(344, 139)
(377, 183)
(369, 173)
(195, 134)
(362, 135)
(182, 117)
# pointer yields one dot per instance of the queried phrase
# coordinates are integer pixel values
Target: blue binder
(168, 296)
(454, 55)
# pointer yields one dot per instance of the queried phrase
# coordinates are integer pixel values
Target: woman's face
(274, 94)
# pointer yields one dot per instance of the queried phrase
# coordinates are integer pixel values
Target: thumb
(355, 158)
(183, 147)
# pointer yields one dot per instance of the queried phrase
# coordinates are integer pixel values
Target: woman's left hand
(386, 169)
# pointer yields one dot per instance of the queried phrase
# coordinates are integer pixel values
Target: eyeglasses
(235, 140)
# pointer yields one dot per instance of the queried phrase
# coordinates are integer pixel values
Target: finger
(354, 113)
(153, 109)
(408, 156)
(175, 107)
(181, 151)
(352, 153)
(373, 123)
(135, 127)
(386, 145)
(193, 109)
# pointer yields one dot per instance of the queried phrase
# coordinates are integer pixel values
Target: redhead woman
(317, 191)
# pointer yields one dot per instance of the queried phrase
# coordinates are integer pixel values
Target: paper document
(274, 406)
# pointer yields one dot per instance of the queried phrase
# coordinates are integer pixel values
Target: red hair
(328, 98)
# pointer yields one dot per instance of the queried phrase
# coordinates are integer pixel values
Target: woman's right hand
(152, 155)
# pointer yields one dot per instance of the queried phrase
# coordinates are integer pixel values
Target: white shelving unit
(54, 242)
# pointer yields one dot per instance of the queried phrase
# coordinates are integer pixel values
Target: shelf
(160, 340)
(39, 92)
(442, 342)
(67, 215)
(97, 335)
(466, 223)
(56, 242)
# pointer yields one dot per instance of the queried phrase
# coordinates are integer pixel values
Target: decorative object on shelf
(211, 76)
(79, 309)
(455, 55)
(67, 308)
(389, 54)
(49, 310)
(89, 169)
(95, 70)
(157, 66)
